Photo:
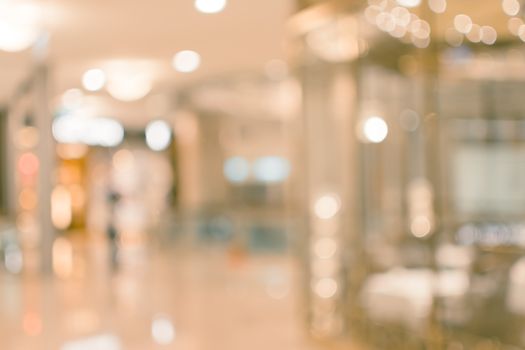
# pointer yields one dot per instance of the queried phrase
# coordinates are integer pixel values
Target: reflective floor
(160, 296)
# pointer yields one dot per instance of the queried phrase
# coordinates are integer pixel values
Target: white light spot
(158, 135)
(100, 342)
(162, 330)
(16, 36)
(474, 35)
(401, 16)
(386, 22)
(437, 6)
(86, 130)
(488, 35)
(13, 259)
(511, 7)
(236, 169)
(210, 6)
(463, 23)
(409, 3)
(129, 86)
(327, 206)
(94, 79)
(420, 29)
(375, 129)
(186, 61)
(271, 169)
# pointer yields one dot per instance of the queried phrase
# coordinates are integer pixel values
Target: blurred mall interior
(277, 174)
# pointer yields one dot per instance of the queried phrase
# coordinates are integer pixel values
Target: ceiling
(94, 33)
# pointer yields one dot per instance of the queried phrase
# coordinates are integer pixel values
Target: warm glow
(32, 324)
(61, 208)
(28, 199)
(62, 258)
(28, 164)
(123, 160)
(71, 151)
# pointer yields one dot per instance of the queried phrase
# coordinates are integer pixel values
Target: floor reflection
(176, 295)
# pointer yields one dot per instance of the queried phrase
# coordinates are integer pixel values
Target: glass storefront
(416, 214)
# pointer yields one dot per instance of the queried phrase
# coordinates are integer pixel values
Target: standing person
(112, 232)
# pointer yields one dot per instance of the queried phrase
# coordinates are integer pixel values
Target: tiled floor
(202, 299)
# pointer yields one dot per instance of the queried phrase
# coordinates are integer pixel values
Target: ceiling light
(210, 6)
(94, 79)
(129, 86)
(15, 37)
(19, 28)
(186, 61)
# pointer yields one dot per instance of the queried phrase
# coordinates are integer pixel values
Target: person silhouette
(112, 232)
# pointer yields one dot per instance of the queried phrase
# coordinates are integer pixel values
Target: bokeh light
(94, 79)
(374, 129)
(327, 206)
(158, 135)
(186, 61)
(210, 6)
